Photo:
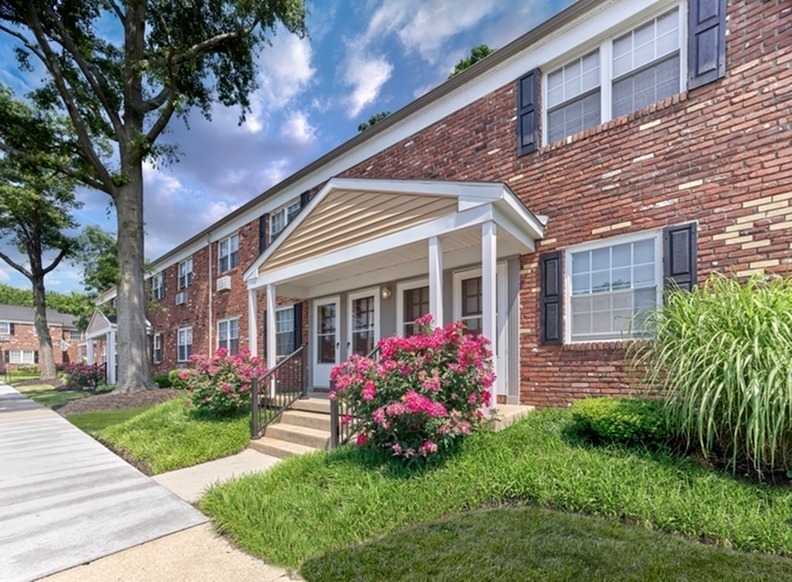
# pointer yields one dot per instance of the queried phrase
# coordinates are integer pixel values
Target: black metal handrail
(340, 432)
(283, 386)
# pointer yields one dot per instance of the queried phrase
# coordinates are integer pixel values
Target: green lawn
(315, 504)
(55, 398)
(169, 436)
(93, 422)
(538, 544)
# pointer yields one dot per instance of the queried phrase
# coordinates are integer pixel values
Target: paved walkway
(65, 500)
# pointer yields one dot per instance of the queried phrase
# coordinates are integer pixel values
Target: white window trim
(187, 275)
(229, 252)
(179, 344)
(157, 340)
(373, 291)
(5, 327)
(227, 321)
(158, 285)
(605, 45)
(21, 357)
(657, 235)
(400, 289)
(458, 277)
(278, 310)
(282, 208)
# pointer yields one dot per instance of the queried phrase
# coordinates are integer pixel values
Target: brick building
(19, 344)
(545, 196)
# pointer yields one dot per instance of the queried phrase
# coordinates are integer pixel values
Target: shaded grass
(56, 398)
(169, 436)
(93, 422)
(538, 544)
(317, 503)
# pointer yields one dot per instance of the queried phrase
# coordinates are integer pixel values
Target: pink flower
(369, 391)
(346, 419)
(362, 439)
(397, 449)
(184, 375)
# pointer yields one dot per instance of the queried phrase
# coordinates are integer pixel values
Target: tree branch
(162, 121)
(55, 263)
(23, 39)
(203, 47)
(117, 11)
(87, 180)
(83, 136)
(158, 100)
(88, 71)
(15, 265)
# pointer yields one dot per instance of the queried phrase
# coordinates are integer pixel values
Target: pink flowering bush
(220, 385)
(79, 376)
(424, 393)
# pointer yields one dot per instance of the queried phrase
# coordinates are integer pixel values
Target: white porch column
(252, 323)
(436, 280)
(111, 357)
(89, 352)
(489, 263)
(271, 334)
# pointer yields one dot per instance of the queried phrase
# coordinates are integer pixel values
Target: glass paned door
(326, 340)
(363, 322)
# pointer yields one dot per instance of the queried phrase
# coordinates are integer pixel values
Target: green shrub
(103, 388)
(220, 384)
(163, 380)
(629, 421)
(176, 381)
(723, 358)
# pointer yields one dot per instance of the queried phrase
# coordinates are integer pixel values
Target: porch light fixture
(385, 292)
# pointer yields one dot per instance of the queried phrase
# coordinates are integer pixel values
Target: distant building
(19, 344)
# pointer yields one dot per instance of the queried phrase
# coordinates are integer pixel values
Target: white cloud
(366, 75)
(4, 276)
(285, 70)
(298, 128)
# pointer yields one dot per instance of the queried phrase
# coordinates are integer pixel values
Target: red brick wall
(24, 338)
(720, 154)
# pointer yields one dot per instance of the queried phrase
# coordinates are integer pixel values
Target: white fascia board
(521, 235)
(511, 207)
(437, 227)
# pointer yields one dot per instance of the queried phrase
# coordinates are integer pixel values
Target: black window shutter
(706, 41)
(679, 256)
(263, 232)
(7, 357)
(527, 113)
(304, 199)
(35, 357)
(11, 329)
(551, 298)
(297, 325)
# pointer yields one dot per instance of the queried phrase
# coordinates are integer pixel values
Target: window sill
(640, 114)
(608, 345)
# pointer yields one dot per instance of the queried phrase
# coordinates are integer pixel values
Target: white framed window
(156, 352)
(468, 305)
(5, 328)
(625, 72)
(228, 335)
(158, 285)
(363, 310)
(185, 273)
(412, 302)
(611, 285)
(284, 331)
(74, 335)
(228, 253)
(282, 217)
(22, 357)
(184, 344)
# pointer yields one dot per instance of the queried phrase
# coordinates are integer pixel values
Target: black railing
(277, 390)
(344, 423)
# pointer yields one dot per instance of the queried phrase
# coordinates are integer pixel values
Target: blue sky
(361, 57)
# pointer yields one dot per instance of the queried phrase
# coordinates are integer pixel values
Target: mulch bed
(113, 400)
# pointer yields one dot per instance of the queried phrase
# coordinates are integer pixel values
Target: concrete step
(320, 405)
(316, 420)
(278, 448)
(309, 437)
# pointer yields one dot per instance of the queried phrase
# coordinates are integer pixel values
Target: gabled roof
(22, 314)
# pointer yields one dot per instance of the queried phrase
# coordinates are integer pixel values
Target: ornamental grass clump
(723, 358)
(220, 385)
(425, 392)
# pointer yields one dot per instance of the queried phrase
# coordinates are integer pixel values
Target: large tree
(98, 255)
(119, 71)
(35, 209)
(477, 53)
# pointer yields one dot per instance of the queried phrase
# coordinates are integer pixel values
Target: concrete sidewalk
(66, 500)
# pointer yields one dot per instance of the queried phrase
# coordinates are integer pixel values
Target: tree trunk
(46, 357)
(132, 342)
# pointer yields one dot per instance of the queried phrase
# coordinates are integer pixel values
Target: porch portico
(370, 256)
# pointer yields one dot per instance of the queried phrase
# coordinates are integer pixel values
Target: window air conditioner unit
(181, 298)
(224, 283)
(5, 338)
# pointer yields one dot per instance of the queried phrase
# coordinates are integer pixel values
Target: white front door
(363, 322)
(326, 341)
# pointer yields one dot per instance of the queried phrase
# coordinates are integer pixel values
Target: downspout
(209, 350)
